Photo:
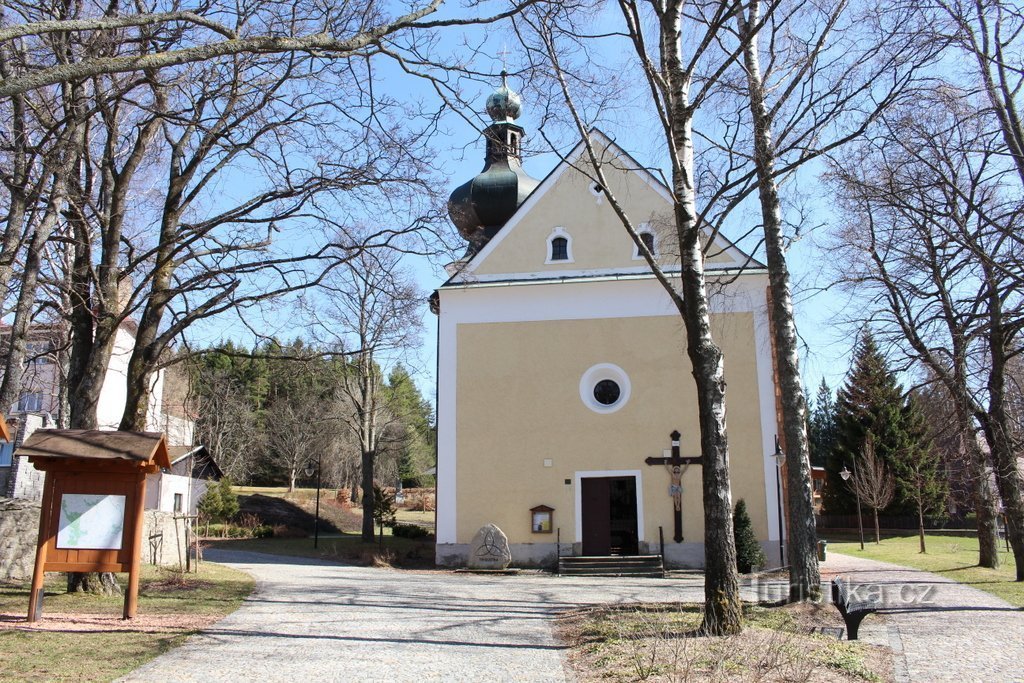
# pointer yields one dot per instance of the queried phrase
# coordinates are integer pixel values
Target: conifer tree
(921, 479)
(748, 550)
(870, 400)
(821, 429)
(414, 419)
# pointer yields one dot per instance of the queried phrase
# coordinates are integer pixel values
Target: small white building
(180, 489)
(38, 404)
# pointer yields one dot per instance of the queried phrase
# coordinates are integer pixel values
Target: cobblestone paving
(309, 622)
(941, 630)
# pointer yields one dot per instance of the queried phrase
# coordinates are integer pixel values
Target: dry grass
(660, 643)
(82, 637)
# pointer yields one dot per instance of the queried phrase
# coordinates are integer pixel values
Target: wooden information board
(93, 503)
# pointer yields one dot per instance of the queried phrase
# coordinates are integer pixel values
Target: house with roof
(180, 487)
(39, 404)
(564, 388)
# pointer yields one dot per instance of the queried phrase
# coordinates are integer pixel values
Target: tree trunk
(97, 583)
(878, 536)
(984, 505)
(996, 423)
(14, 370)
(920, 526)
(723, 612)
(368, 497)
(1008, 482)
(804, 574)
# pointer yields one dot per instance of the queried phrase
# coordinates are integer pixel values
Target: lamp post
(780, 458)
(846, 474)
(310, 468)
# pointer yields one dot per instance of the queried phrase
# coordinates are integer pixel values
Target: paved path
(941, 630)
(310, 621)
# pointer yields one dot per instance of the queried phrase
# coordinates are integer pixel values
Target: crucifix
(676, 466)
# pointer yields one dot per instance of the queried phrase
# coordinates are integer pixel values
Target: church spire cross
(503, 54)
(676, 466)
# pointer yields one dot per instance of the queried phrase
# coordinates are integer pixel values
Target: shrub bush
(748, 550)
(219, 503)
(409, 531)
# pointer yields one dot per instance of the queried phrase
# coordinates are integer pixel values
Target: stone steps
(615, 565)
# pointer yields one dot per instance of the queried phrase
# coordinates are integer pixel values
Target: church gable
(568, 228)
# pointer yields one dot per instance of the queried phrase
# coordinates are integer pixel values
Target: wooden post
(131, 599)
(35, 600)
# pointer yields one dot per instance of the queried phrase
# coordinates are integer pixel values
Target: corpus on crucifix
(676, 466)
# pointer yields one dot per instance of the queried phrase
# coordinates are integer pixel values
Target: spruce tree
(821, 428)
(748, 550)
(921, 479)
(870, 400)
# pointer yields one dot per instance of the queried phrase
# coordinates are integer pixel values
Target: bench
(852, 606)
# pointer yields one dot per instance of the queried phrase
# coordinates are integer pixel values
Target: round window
(604, 388)
(606, 392)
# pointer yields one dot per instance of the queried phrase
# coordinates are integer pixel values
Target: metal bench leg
(853, 624)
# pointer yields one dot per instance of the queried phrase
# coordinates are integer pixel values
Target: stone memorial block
(489, 549)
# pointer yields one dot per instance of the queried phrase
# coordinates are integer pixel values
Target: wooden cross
(676, 489)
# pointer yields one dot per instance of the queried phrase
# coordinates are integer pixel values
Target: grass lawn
(82, 638)
(347, 548)
(949, 554)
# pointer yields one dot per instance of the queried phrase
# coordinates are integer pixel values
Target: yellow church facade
(562, 368)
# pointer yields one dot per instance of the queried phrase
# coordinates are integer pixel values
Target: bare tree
(873, 483)
(933, 217)
(918, 467)
(830, 69)
(371, 312)
(298, 429)
(317, 165)
(990, 35)
(335, 30)
(227, 425)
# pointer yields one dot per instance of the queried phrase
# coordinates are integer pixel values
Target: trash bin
(822, 547)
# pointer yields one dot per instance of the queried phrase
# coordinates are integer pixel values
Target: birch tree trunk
(723, 612)
(804, 576)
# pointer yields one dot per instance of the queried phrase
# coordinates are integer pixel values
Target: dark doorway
(609, 515)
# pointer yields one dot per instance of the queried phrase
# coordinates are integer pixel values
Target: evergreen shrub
(748, 551)
(409, 531)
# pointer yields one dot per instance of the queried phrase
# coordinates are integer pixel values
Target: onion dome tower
(479, 208)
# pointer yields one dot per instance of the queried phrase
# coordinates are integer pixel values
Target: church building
(562, 370)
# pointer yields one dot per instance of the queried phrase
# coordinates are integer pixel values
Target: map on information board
(93, 522)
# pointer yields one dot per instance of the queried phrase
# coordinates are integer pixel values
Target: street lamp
(846, 474)
(780, 458)
(310, 468)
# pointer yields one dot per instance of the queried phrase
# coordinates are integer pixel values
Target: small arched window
(559, 247)
(648, 239)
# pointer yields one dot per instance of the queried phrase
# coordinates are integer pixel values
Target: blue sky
(820, 312)
(827, 336)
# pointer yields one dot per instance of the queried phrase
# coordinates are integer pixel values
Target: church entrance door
(609, 515)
